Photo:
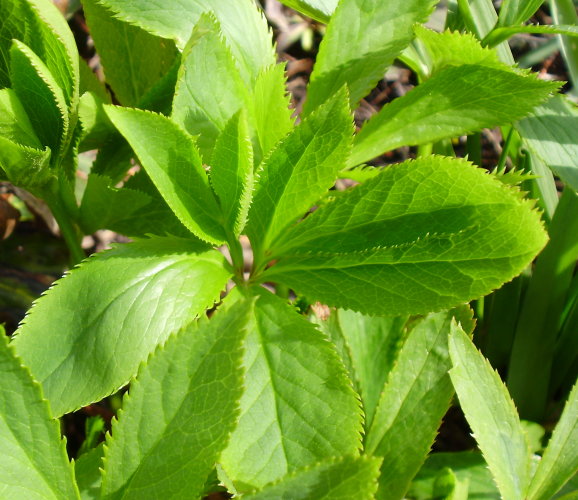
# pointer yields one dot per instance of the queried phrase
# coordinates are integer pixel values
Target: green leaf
(467, 466)
(179, 412)
(449, 48)
(155, 218)
(514, 12)
(362, 40)
(170, 157)
(243, 25)
(298, 406)
(369, 346)
(560, 460)
(33, 461)
(89, 82)
(499, 35)
(231, 173)
(551, 132)
(337, 479)
(133, 60)
(88, 475)
(299, 171)
(97, 129)
(25, 167)
(320, 10)
(14, 123)
(210, 89)
(491, 415)
(421, 236)
(153, 288)
(456, 101)
(103, 206)
(39, 24)
(270, 108)
(40, 95)
(415, 398)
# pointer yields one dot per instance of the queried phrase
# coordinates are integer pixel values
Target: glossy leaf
(243, 25)
(133, 60)
(299, 171)
(491, 415)
(298, 406)
(153, 288)
(40, 95)
(170, 158)
(560, 460)
(210, 89)
(231, 173)
(179, 412)
(456, 101)
(415, 398)
(338, 479)
(270, 108)
(361, 41)
(421, 236)
(33, 461)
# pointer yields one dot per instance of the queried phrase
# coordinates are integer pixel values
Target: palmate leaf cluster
(279, 405)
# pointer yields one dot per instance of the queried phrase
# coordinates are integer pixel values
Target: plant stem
(474, 148)
(236, 251)
(505, 150)
(68, 229)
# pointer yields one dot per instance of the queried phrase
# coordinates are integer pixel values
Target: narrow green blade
(361, 41)
(560, 460)
(231, 173)
(514, 12)
(415, 398)
(270, 109)
(294, 411)
(33, 461)
(179, 412)
(338, 479)
(421, 236)
(171, 159)
(491, 415)
(87, 336)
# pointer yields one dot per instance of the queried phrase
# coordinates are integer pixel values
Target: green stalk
(564, 12)
(532, 355)
(474, 148)
(505, 150)
(68, 229)
(236, 251)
